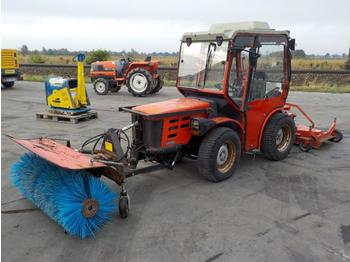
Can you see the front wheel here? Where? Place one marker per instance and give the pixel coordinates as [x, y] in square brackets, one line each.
[124, 206]
[8, 84]
[101, 86]
[115, 88]
[278, 137]
[338, 136]
[219, 154]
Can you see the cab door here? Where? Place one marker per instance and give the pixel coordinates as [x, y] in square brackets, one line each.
[268, 86]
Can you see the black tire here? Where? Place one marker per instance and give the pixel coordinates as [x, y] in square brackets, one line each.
[124, 207]
[158, 86]
[213, 143]
[305, 148]
[8, 84]
[139, 82]
[338, 136]
[271, 147]
[101, 86]
[115, 88]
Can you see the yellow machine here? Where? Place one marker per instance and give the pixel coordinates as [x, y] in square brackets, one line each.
[9, 67]
[68, 95]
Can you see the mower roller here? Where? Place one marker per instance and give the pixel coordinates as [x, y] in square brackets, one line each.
[234, 80]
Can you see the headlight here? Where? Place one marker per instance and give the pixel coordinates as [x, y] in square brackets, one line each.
[195, 124]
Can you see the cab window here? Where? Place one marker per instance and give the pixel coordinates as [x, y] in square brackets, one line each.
[269, 74]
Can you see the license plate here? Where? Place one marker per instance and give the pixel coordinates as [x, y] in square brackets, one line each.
[9, 72]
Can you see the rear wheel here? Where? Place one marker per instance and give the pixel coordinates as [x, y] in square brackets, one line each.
[101, 86]
[219, 154]
[8, 84]
[158, 86]
[139, 82]
[279, 137]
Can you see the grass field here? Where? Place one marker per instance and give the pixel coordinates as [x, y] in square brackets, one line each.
[171, 61]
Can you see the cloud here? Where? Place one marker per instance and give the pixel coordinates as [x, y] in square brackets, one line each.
[157, 25]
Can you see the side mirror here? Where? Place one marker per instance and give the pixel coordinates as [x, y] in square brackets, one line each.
[188, 41]
[291, 44]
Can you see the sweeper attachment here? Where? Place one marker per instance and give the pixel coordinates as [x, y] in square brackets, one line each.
[235, 82]
[77, 201]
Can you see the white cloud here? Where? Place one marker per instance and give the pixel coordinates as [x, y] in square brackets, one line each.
[157, 25]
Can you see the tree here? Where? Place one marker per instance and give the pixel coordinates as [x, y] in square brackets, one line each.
[24, 50]
[97, 55]
[299, 53]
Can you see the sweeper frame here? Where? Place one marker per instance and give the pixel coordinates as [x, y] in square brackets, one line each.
[235, 82]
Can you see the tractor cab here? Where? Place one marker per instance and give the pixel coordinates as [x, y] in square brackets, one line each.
[242, 62]
[243, 67]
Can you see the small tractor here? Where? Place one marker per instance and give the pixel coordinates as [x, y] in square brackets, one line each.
[234, 80]
[141, 77]
[9, 67]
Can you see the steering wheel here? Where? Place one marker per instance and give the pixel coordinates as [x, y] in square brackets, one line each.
[273, 93]
[218, 86]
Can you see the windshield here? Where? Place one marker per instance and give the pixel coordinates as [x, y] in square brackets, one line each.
[202, 65]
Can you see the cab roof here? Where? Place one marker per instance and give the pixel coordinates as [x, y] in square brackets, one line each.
[229, 30]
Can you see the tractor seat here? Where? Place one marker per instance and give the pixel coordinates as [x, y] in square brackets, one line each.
[122, 65]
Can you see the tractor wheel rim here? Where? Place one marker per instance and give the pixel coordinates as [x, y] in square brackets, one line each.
[100, 87]
[139, 82]
[90, 207]
[226, 156]
[283, 138]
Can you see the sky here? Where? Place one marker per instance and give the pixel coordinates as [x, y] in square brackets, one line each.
[319, 27]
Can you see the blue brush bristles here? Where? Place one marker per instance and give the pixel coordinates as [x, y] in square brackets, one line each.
[60, 193]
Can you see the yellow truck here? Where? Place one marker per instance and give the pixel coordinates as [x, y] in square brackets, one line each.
[9, 67]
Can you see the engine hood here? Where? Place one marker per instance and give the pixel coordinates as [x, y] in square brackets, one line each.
[173, 106]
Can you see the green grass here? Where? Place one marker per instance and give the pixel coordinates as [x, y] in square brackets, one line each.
[171, 61]
[323, 88]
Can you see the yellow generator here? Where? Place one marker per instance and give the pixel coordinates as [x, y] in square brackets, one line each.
[68, 95]
[9, 67]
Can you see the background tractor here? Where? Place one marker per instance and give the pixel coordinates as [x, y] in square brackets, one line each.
[141, 77]
[234, 80]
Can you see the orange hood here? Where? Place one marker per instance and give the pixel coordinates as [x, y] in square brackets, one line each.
[172, 106]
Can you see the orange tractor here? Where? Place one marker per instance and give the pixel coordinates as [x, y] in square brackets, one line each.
[141, 77]
[234, 80]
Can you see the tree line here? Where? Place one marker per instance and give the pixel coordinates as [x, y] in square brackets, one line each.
[24, 50]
